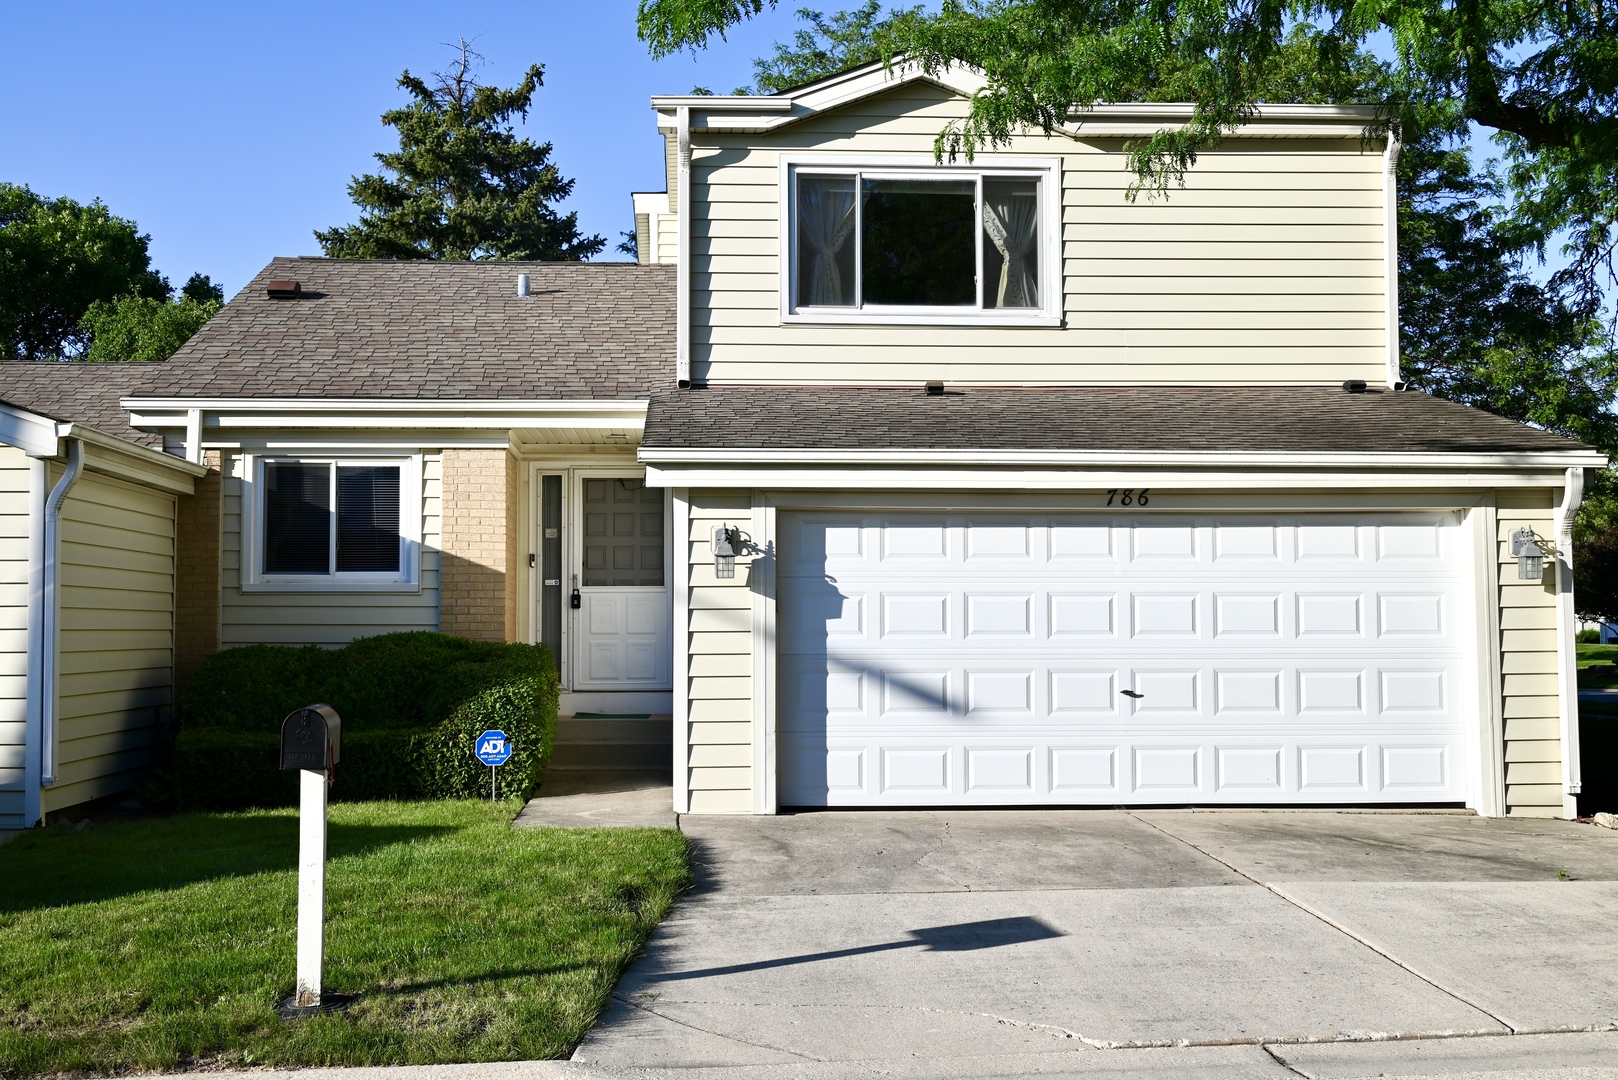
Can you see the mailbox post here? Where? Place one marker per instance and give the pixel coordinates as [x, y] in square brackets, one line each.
[311, 743]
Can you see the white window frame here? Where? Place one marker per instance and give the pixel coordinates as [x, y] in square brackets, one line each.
[1047, 170]
[408, 577]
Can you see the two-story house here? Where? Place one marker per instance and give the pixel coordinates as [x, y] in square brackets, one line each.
[1047, 495]
[893, 482]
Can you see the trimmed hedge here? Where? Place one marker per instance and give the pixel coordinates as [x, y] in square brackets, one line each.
[411, 704]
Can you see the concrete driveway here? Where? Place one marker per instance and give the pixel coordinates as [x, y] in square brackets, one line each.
[1149, 943]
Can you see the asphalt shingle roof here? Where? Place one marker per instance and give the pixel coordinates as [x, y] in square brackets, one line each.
[79, 393]
[427, 330]
[1278, 419]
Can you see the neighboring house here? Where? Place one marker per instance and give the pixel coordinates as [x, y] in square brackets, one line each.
[898, 483]
[90, 511]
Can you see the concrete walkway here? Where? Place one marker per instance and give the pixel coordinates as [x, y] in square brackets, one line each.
[593, 799]
[1158, 943]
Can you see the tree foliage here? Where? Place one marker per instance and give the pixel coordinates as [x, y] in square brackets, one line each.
[202, 289]
[143, 328]
[57, 258]
[463, 184]
[828, 45]
[1542, 78]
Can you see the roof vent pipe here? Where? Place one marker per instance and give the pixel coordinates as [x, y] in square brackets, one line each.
[522, 284]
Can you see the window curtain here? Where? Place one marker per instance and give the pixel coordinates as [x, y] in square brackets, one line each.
[1011, 220]
[825, 220]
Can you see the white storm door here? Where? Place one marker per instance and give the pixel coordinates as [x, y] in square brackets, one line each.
[1002, 658]
[622, 624]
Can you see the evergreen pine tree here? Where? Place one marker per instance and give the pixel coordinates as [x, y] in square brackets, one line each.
[463, 184]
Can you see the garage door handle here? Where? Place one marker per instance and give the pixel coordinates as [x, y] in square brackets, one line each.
[1131, 694]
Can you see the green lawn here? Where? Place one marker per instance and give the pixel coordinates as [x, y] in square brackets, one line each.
[1600, 657]
[165, 943]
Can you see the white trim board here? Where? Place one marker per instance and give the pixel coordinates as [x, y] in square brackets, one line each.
[810, 478]
[1554, 459]
[732, 114]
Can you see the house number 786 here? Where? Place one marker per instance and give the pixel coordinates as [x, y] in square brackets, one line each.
[1128, 497]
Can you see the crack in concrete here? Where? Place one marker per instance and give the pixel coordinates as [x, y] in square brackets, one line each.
[1283, 1062]
[943, 838]
[1333, 923]
[1009, 1021]
[1265, 1042]
[707, 1031]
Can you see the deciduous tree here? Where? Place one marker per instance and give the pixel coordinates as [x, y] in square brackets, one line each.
[57, 258]
[143, 328]
[1540, 78]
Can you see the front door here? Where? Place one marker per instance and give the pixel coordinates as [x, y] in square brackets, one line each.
[621, 622]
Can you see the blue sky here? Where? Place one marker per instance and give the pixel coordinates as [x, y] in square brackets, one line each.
[228, 131]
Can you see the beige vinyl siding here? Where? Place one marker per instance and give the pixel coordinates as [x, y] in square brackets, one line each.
[1529, 683]
[1267, 267]
[643, 239]
[14, 469]
[671, 169]
[668, 239]
[116, 658]
[316, 617]
[719, 682]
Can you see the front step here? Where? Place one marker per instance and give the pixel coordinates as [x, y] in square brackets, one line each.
[613, 743]
[656, 729]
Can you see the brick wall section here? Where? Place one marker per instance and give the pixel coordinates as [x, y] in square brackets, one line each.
[514, 546]
[477, 595]
[196, 573]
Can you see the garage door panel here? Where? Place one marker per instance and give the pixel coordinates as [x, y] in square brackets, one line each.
[1249, 770]
[1164, 542]
[1250, 544]
[1247, 615]
[931, 659]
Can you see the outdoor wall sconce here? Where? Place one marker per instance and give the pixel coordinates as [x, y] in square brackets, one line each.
[1530, 554]
[726, 542]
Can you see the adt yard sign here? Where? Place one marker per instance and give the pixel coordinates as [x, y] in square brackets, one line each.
[493, 749]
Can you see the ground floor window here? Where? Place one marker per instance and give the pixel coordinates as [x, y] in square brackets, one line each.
[334, 521]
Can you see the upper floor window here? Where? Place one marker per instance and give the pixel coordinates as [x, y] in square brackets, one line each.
[921, 245]
[333, 522]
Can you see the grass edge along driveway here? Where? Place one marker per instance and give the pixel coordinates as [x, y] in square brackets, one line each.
[165, 943]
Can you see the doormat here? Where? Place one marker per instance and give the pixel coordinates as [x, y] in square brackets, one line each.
[612, 716]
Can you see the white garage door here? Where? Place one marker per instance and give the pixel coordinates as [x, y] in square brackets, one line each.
[1065, 659]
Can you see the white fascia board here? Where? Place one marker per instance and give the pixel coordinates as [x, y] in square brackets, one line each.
[733, 457]
[738, 114]
[221, 413]
[33, 434]
[1183, 111]
[143, 454]
[723, 102]
[821, 478]
[650, 202]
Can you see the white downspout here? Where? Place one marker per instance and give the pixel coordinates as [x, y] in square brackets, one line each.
[1567, 656]
[33, 812]
[682, 180]
[1390, 256]
[193, 436]
[50, 631]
